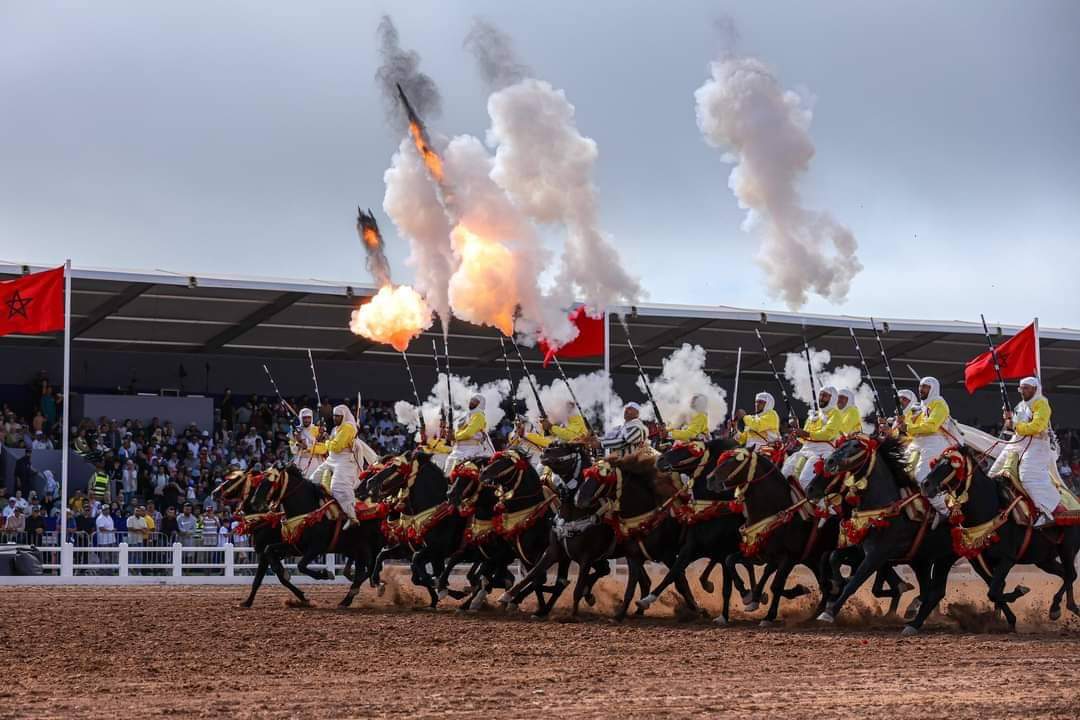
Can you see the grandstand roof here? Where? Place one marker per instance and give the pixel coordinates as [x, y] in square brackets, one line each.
[167, 311]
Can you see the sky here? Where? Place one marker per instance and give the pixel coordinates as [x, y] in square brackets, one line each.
[239, 138]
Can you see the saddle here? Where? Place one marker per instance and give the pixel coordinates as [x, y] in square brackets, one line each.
[1068, 513]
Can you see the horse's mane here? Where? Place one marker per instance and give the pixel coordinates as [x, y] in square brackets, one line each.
[642, 462]
[893, 453]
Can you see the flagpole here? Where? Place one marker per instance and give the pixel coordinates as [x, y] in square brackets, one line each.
[607, 367]
[1038, 353]
[67, 411]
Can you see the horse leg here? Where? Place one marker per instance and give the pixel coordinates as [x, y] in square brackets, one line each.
[644, 585]
[635, 568]
[871, 562]
[421, 577]
[932, 594]
[897, 587]
[442, 585]
[554, 591]
[1003, 608]
[704, 581]
[779, 580]
[513, 596]
[283, 577]
[1067, 553]
[256, 581]
[729, 571]
[683, 586]
[687, 553]
[310, 554]
[354, 586]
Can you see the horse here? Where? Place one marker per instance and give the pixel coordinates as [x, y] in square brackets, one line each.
[886, 532]
[312, 525]
[251, 490]
[428, 529]
[782, 531]
[986, 530]
[712, 519]
[577, 534]
[829, 490]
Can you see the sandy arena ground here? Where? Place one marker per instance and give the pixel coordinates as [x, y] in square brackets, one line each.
[189, 652]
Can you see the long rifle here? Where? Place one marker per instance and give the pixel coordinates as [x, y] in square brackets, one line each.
[416, 397]
[776, 376]
[735, 390]
[442, 411]
[278, 392]
[528, 377]
[449, 396]
[573, 397]
[644, 377]
[509, 376]
[870, 379]
[810, 369]
[888, 370]
[314, 379]
[997, 365]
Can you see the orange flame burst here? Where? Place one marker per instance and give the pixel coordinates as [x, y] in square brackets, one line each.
[431, 158]
[484, 287]
[370, 237]
[395, 315]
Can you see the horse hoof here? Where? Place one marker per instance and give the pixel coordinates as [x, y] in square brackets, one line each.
[478, 601]
[646, 602]
[1022, 590]
[720, 620]
[504, 599]
[909, 631]
[751, 606]
[826, 617]
[1074, 610]
[590, 599]
[768, 624]
[1055, 613]
[443, 593]
[912, 609]
[707, 586]
[294, 603]
[512, 606]
[382, 589]
[904, 587]
[244, 606]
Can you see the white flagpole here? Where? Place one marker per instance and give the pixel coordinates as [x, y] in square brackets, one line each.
[607, 367]
[1038, 353]
[65, 430]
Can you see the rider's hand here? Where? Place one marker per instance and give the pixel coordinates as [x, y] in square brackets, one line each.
[740, 414]
[546, 424]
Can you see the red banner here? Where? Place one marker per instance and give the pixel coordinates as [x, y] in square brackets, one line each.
[1016, 357]
[33, 304]
[588, 343]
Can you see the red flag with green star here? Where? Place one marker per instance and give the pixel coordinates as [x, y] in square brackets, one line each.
[33, 304]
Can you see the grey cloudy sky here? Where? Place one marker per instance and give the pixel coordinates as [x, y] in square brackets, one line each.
[238, 137]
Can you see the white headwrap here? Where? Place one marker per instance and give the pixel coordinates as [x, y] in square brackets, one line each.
[833, 395]
[913, 399]
[306, 413]
[481, 403]
[767, 398]
[699, 403]
[1023, 409]
[935, 389]
[632, 406]
[346, 414]
[850, 397]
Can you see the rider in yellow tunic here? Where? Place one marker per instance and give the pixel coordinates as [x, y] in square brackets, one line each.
[302, 443]
[1031, 424]
[761, 428]
[471, 439]
[909, 408]
[342, 462]
[573, 430]
[698, 427]
[931, 434]
[850, 417]
[817, 434]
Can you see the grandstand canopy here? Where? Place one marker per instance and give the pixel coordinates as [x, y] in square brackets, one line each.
[168, 312]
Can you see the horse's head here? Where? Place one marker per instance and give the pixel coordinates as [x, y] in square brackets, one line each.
[506, 468]
[598, 482]
[734, 468]
[683, 457]
[464, 483]
[851, 456]
[949, 473]
[234, 488]
[565, 459]
[820, 486]
[382, 481]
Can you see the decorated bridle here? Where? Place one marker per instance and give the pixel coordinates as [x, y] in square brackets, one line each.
[470, 473]
[698, 454]
[402, 468]
[516, 467]
[957, 482]
[746, 463]
[854, 476]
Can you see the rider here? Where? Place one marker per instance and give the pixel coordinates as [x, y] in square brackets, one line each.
[930, 431]
[761, 428]
[698, 427]
[471, 439]
[303, 441]
[341, 461]
[1030, 422]
[573, 430]
[909, 408]
[817, 434]
[850, 417]
[629, 437]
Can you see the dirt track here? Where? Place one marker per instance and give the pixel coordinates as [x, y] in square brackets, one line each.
[188, 651]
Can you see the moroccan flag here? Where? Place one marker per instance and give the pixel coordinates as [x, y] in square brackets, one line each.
[588, 343]
[1016, 357]
[33, 304]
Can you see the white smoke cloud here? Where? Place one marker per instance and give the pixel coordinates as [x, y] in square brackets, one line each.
[764, 130]
[462, 390]
[413, 204]
[595, 391]
[844, 376]
[681, 377]
[547, 168]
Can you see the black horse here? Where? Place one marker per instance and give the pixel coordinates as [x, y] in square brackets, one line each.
[295, 495]
[977, 501]
[825, 490]
[251, 492]
[779, 530]
[711, 531]
[577, 534]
